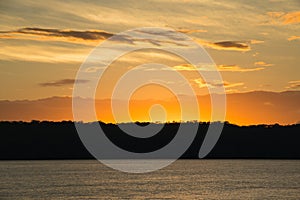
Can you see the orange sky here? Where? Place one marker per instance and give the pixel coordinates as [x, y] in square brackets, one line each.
[255, 46]
[242, 108]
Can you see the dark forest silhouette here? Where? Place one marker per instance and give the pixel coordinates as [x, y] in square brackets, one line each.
[59, 140]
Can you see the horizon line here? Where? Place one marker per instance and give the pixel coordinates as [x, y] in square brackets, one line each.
[148, 122]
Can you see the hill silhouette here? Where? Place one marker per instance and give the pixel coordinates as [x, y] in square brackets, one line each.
[59, 140]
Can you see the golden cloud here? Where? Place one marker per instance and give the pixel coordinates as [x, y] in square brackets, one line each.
[293, 84]
[256, 41]
[49, 54]
[294, 38]
[275, 14]
[292, 18]
[227, 68]
[185, 67]
[212, 84]
[236, 68]
[182, 30]
[284, 18]
[262, 63]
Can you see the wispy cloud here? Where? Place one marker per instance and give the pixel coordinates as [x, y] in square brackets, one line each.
[282, 18]
[43, 53]
[293, 38]
[184, 30]
[37, 51]
[34, 33]
[236, 68]
[256, 41]
[263, 64]
[293, 85]
[62, 82]
[92, 36]
[75, 36]
[185, 67]
[291, 18]
[212, 84]
[226, 68]
[93, 69]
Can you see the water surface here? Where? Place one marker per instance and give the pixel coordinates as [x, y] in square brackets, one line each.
[184, 179]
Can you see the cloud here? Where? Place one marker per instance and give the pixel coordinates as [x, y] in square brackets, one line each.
[212, 84]
[226, 68]
[55, 34]
[293, 38]
[293, 85]
[43, 53]
[37, 51]
[256, 41]
[92, 36]
[281, 18]
[291, 18]
[62, 82]
[183, 30]
[232, 45]
[236, 68]
[185, 67]
[275, 14]
[93, 69]
[226, 45]
[154, 37]
[75, 36]
[263, 64]
[231, 85]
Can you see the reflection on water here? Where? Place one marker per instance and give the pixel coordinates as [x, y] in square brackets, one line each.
[184, 179]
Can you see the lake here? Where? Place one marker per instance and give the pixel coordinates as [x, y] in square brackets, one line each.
[184, 179]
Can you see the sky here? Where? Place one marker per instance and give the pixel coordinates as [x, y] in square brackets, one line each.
[255, 44]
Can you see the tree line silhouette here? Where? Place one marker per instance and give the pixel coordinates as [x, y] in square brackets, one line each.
[59, 140]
